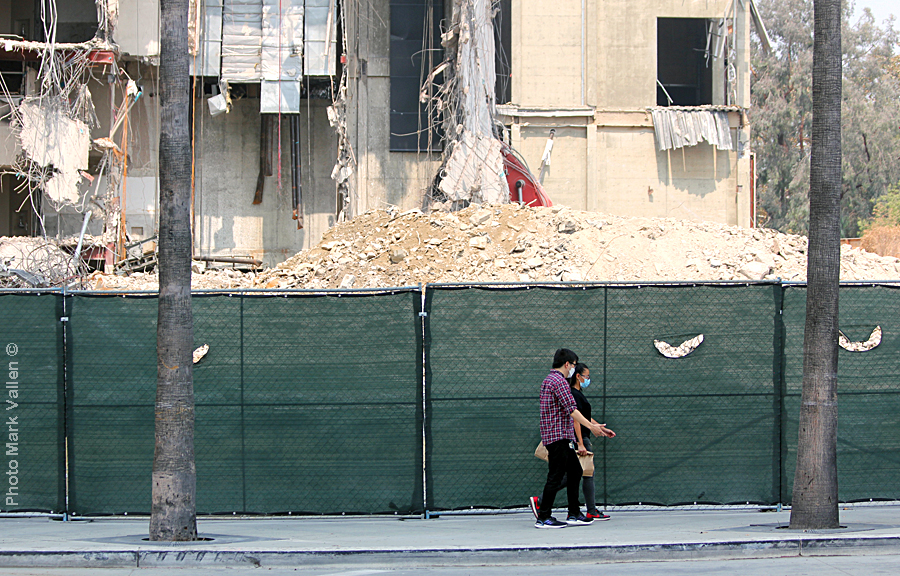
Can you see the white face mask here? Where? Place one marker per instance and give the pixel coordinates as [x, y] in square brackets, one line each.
[571, 371]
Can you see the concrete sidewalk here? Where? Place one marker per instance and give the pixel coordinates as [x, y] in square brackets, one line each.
[458, 540]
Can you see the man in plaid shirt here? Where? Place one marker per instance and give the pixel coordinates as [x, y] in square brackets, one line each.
[558, 410]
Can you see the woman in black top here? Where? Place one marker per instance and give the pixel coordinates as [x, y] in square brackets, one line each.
[579, 380]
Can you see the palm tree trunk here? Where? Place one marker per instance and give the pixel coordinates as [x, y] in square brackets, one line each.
[173, 508]
[815, 496]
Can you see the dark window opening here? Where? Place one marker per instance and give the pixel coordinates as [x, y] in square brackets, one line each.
[76, 20]
[503, 51]
[17, 215]
[684, 67]
[13, 75]
[415, 51]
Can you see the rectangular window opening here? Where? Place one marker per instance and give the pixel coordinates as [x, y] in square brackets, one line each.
[415, 51]
[684, 62]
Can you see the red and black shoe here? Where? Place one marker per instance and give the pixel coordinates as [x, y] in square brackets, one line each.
[597, 515]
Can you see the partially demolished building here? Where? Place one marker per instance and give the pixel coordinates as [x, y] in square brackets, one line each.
[306, 112]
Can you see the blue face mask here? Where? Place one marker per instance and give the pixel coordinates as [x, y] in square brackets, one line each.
[586, 383]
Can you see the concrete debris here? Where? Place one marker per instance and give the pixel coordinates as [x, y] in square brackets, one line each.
[398, 255]
[27, 262]
[480, 242]
[755, 270]
[386, 249]
[567, 227]
[473, 165]
[53, 140]
[474, 170]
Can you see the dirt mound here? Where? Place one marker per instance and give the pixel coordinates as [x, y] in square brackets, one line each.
[511, 243]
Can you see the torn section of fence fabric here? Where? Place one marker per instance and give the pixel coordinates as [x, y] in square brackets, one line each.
[679, 127]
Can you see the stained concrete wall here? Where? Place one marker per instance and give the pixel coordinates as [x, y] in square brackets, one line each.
[587, 69]
[137, 32]
[226, 221]
[595, 64]
[382, 177]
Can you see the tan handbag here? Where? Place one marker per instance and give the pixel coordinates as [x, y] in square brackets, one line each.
[587, 461]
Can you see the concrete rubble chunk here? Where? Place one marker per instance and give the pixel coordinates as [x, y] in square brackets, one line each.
[534, 262]
[479, 218]
[754, 270]
[567, 227]
[480, 242]
[398, 255]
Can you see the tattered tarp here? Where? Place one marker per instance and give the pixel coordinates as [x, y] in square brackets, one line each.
[678, 127]
[242, 30]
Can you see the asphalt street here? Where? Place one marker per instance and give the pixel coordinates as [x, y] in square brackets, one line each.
[794, 566]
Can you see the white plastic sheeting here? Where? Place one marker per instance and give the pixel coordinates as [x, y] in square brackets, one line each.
[321, 37]
[282, 40]
[208, 42]
[270, 40]
[680, 127]
[241, 40]
[279, 97]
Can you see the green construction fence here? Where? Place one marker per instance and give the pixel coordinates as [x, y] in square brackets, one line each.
[412, 400]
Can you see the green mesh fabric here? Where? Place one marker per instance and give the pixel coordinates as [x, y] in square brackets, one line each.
[303, 403]
[868, 444]
[314, 403]
[32, 468]
[691, 429]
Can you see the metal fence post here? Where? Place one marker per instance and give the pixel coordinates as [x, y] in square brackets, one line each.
[64, 403]
[779, 384]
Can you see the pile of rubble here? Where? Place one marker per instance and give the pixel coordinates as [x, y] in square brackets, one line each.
[512, 243]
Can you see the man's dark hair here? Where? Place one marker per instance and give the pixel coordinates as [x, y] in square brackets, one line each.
[562, 356]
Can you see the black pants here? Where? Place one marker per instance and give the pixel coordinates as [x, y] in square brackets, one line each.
[563, 460]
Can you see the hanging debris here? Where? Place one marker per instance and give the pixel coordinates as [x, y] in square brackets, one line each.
[680, 127]
[337, 117]
[56, 145]
[53, 119]
[473, 169]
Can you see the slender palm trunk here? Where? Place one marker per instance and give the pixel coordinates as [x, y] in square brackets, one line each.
[815, 496]
[173, 508]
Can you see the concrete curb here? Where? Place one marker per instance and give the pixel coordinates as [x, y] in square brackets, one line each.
[454, 556]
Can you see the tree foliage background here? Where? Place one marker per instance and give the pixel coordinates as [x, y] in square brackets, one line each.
[781, 92]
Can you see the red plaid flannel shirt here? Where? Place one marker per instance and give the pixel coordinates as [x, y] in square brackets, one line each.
[557, 404]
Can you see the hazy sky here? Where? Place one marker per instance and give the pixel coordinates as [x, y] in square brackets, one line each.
[881, 9]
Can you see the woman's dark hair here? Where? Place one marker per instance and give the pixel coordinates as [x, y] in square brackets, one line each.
[579, 369]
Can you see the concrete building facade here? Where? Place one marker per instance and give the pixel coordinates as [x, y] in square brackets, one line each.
[593, 71]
